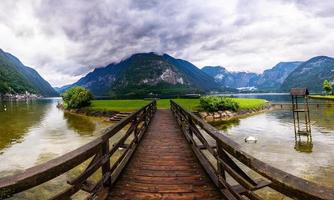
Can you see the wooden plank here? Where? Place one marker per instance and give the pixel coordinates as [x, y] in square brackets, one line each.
[203, 140]
[224, 158]
[164, 166]
[106, 166]
[283, 182]
[51, 169]
[39, 174]
[260, 183]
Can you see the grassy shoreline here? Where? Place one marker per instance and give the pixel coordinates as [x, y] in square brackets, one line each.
[189, 104]
[329, 97]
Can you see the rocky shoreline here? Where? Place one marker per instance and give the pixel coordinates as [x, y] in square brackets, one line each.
[230, 115]
[90, 112]
[206, 116]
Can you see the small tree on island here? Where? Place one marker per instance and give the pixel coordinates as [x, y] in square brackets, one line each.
[218, 103]
[76, 97]
[327, 87]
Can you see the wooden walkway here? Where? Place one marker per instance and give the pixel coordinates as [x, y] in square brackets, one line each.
[161, 155]
[164, 167]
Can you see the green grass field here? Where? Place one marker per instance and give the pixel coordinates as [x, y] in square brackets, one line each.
[329, 97]
[189, 104]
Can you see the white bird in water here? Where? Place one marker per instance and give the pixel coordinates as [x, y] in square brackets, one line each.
[250, 139]
[4, 108]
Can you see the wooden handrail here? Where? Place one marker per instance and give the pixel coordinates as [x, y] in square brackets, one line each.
[98, 149]
[225, 148]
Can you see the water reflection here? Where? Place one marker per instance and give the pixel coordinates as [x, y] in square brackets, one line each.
[17, 118]
[303, 156]
[80, 124]
[304, 146]
[34, 132]
[224, 125]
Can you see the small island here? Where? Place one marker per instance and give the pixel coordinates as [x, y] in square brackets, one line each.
[210, 108]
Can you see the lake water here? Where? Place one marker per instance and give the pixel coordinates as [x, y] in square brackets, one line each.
[277, 145]
[273, 97]
[32, 132]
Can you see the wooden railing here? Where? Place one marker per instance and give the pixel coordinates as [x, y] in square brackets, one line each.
[98, 151]
[225, 163]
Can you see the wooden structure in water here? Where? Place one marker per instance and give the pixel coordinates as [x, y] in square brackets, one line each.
[301, 111]
[164, 154]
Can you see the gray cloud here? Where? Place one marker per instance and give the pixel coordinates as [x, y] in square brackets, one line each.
[67, 39]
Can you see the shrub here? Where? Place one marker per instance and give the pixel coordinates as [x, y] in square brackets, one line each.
[76, 97]
[218, 103]
[327, 86]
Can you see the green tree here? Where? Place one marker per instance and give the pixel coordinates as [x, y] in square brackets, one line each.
[218, 103]
[327, 87]
[76, 97]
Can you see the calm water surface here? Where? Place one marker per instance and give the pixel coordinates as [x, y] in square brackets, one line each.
[277, 145]
[273, 97]
[32, 132]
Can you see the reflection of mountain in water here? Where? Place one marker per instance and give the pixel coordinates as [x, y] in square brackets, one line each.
[80, 124]
[18, 118]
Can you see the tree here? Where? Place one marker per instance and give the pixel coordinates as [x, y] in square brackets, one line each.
[76, 97]
[218, 103]
[327, 86]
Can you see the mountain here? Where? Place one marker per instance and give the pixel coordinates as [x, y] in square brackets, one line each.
[311, 74]
[231, 79]
[61, 89]
[272, 79]
[17, 78]
[147, 74]
[151, 75]
[269, 80]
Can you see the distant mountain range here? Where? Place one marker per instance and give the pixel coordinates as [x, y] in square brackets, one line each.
[280, 78]
[231, 79]
[150, 74]
[270, 80]
[311, 74]
[17, 78]
[147, 74]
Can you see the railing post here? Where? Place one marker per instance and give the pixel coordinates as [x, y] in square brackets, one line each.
[220, 167]
[106, 166]
[190, 123]
[135, 131]
[146, 114]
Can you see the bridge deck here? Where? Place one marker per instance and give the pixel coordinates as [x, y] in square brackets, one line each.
[164, 167]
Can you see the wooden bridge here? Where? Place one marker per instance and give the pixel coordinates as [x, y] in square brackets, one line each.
[164, 154]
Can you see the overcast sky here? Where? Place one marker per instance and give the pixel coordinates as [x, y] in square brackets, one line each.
[64, 40]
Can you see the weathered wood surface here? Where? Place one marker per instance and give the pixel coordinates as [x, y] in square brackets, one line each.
[179, 157]
[164, 167]
[206, 140]
[134, 126]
